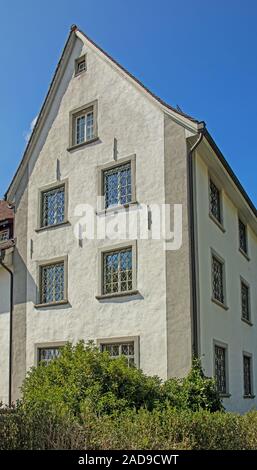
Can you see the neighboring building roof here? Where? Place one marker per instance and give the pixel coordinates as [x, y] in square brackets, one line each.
[6, 213]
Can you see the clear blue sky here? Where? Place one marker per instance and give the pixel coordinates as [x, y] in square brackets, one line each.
[201, 55]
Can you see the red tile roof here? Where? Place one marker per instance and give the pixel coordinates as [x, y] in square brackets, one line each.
[5, 211]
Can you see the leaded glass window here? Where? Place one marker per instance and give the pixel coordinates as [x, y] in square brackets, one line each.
[247, 376]
[242, 236]
[217, 280]
[220, 369]
[46, 355]
[117, 273]
[53, 206]
[4, 235]
[117, 185]
[84, 127]
[120, 349]
[215, 203]
[52, 283]
[245, 301]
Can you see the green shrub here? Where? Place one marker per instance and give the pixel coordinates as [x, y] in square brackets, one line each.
[83, 378]
[194, 392]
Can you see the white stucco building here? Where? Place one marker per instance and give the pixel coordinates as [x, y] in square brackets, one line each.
[100, 132]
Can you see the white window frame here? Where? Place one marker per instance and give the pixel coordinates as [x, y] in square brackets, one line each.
[77, 114]
[80, 60]
[4, 231]
[46, 345]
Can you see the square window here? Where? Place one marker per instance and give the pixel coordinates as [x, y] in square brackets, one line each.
[53, 206]
[80, 65]
[52, 283]
[115, 350]
[218, 279]
[46, 355]
[247, 364]
[215, 201]
[242, 236]
[220, 368]
[245, 301]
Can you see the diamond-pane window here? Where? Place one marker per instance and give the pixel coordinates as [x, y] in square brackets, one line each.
[46, 355]
[117, 271]
[117, 185]
[52, 283]
[245, 301]
[242, 236]
[53, 206]
[84, 127]
[4, 235]
[220, 369]
[121, 349]
[247, 375]
[217, 280]
[214, 199]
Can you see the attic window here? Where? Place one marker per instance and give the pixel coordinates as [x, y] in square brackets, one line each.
[80, 65]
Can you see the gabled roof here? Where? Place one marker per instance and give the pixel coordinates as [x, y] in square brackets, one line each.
[6, 213]
[184, 119]
[76, 33]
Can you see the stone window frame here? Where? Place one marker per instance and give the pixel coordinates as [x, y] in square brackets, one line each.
[216, 182]
[49, 262]
[109, 249]
[250, 356]
[223, 345]
[100, 180]
[50, 187]
[49, 344]
[5, 231]
[78, 60]
[123, 339]
[246, 283]
[223, 304]
[73, 115]
[244, 253]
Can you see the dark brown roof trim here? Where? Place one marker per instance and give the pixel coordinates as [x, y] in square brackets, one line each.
[229, 170]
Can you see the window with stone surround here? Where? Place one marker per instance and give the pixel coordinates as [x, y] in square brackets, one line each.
[47, 354]
[117, 271]
[218, 284]
[80, 65]
[245, 301]
[220, 368]
[242, 237]
[215, 201]
[52, 282]
[116, 349]
[247, 366]
[4, 235]
[83, 125]
[53, 207]
[117, 185]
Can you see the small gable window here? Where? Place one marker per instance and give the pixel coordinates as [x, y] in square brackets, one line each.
[80, 65]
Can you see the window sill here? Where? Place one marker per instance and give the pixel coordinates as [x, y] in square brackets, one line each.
[117, 294]
[113, 209]
[220, 304]
[83, 144]
[249, 396]
[49, 227]
[244, 254]
[217, 222]
[225, 395]
[248, 322]
[52, 304]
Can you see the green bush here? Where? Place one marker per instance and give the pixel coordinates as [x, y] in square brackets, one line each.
[194, 392]
[131, 429]
[83, 379]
